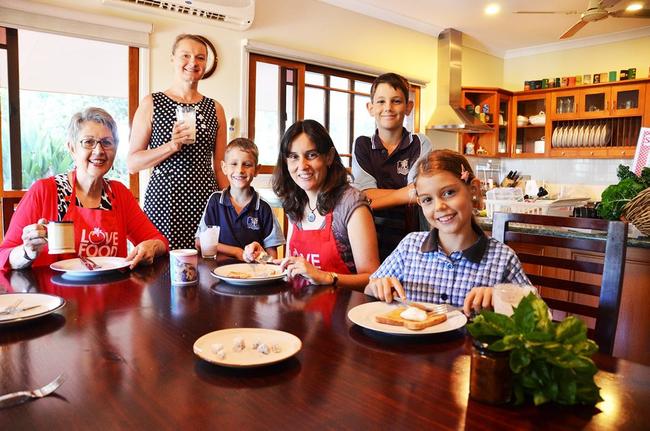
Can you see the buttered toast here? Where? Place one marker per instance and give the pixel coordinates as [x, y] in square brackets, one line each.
[393, 318]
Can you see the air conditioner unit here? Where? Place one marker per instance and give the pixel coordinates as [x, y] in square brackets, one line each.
[233, 14]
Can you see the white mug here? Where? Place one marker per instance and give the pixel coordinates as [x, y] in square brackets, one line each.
[183, 266]
[60, 237]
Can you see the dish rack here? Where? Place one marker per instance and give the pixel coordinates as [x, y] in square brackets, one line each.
[557, 207]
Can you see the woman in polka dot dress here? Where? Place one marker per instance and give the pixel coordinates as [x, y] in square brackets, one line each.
[183, 176]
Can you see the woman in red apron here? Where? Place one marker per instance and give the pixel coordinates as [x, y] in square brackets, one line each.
[104, 213]
[331, 238]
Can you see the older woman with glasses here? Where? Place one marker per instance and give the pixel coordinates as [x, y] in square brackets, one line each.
[104, 212]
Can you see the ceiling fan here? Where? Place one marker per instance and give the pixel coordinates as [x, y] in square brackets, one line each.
[596, 10]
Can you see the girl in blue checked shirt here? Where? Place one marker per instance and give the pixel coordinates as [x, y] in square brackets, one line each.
[452, 262]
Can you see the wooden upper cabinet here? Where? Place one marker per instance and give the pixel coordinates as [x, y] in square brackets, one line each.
[492, 106]
[628, 100]
[528, 139]
[600, 101]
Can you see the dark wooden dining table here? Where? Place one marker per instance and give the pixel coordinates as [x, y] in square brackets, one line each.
[125, 344]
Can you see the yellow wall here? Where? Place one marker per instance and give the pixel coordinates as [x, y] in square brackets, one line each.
[579, 61]
[481, 69]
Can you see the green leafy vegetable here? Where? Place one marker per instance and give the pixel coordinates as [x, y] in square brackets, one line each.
[616, 196]
[550, 361]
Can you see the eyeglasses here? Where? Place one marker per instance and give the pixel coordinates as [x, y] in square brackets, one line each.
[91, 143]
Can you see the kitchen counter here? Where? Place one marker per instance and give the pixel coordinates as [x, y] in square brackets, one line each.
[641, 242]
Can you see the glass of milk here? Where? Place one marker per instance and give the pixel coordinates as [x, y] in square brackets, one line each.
[187, 116]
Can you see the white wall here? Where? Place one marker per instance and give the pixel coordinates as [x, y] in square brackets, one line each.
[306, 25]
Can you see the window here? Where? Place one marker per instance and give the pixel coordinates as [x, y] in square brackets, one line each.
[282, 91]
[44, 80]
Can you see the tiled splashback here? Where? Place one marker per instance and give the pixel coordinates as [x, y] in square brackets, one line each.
[563, 177]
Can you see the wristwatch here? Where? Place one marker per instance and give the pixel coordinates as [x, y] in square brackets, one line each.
[335, 278]
[26, 256]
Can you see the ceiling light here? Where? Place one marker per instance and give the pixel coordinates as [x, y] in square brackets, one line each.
[492, 9]
[634, 7]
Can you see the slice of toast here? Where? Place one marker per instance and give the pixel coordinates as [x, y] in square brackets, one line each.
[393, 318]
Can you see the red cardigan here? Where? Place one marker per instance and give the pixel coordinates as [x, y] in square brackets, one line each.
[40, 201]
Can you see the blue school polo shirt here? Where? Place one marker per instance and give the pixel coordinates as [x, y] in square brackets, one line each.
[256, 222]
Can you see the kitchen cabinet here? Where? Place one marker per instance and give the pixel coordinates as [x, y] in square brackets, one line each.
[598, 101]
[497, 102]
[525, 135]
[593, 121]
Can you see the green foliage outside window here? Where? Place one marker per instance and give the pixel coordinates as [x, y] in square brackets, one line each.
[44, 121]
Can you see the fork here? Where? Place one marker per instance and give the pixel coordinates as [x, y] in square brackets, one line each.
[13, 308]
[88, 263]
[435, 308]
[264, 258]
[22, 396]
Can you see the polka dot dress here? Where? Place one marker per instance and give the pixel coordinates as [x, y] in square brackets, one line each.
[181, 185]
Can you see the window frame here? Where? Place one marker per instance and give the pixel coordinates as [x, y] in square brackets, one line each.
[13, 90]
[302, 68]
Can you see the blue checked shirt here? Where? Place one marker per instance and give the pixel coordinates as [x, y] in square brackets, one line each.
[429, 275]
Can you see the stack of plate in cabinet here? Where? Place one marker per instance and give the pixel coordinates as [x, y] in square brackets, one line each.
[589, 135]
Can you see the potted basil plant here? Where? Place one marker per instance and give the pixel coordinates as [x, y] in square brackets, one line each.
[549, 361]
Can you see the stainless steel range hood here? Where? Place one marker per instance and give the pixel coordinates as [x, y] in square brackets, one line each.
[449, 115]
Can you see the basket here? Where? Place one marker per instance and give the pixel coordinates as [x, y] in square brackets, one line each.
[558, 207]
[637, 211]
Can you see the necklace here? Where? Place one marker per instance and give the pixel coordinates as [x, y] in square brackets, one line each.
[311, 217]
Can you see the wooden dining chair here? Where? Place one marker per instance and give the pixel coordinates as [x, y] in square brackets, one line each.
[575, 274]
[8, 208]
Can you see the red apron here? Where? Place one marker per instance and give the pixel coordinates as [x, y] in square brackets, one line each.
[97, 232]
[318, 247]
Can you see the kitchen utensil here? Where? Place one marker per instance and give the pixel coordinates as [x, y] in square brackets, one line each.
[88, 263]
[22, 396]
[264, 258]
[538, 120]
[15, 310]
[435, 308]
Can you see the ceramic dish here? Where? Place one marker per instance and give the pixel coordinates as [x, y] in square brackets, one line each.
[206, 347]
[74, 268]
[248, 273]
[364, 316]
[560, 137]
[43, 305]
[556, 132]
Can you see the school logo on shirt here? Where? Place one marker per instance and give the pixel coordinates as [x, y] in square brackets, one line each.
[252, 223]
[403, 167]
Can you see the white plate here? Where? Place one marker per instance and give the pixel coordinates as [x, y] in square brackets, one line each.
[74, 268]
[46, 304]
[560, 137]
[258, 273]
[554, 137]
[249, 357]
[364, 315]
[580, 136]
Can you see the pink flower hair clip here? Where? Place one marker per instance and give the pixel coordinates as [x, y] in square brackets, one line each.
[464, 174]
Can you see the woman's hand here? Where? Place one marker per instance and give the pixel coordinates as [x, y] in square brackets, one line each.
[251, 251]
[180, 136]
[477, 299]
[298, 265]
[144, 252]
[385, 288]
[34, 238]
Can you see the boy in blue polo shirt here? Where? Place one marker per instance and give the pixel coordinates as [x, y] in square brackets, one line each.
[243, 216]
[383, 166]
